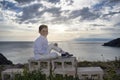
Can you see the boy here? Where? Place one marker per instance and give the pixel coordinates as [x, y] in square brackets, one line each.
[42, 49]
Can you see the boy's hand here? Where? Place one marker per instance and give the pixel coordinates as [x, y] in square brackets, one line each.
[55, 44]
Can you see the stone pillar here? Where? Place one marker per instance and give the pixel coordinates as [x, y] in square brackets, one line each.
[101, 76]
[11, 73]
[63, 67]
[2, 76]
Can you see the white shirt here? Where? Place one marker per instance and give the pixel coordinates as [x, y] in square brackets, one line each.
[41, 45]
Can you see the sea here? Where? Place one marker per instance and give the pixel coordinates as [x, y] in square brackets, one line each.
[20, 52]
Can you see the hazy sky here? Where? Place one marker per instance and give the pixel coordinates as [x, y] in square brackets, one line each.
[66, 19]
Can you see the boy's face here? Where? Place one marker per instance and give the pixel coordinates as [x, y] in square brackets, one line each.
[44, 32]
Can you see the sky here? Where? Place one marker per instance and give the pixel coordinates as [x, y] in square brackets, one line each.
[68, 20]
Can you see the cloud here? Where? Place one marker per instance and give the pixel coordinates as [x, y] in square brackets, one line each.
[54, 1]
[112, 2]
[1, 17]
[11, 27]
[55, 11]
[106, 3]
[107, 8]
[37, 15]
[111, 14]
[30, 12]
[34, 13]
[92, 39]
[85, 14]
[24, 1]
[97, 25]
[6, 28]
[117, 24]
[7, 5]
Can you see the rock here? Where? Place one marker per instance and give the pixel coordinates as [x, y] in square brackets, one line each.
[4, 60]
[113, 43]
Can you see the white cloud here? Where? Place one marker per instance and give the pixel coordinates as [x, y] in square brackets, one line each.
[13, 1]
[77, 4]
[65, 13]
[115, 19]
[47, 4]
[47, 16]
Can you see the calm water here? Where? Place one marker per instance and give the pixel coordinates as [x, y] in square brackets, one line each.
[20, 52]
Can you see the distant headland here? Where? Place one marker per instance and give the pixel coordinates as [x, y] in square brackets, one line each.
[113, 43]
[4, 60]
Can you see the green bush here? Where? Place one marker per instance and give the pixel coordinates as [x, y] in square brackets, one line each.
[37, 75]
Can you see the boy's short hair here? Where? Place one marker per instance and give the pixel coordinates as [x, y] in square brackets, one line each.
[42, 26]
